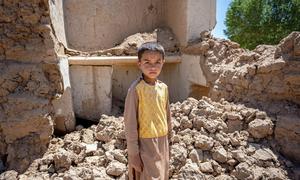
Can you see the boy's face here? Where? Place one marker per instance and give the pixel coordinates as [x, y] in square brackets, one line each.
[151, 64]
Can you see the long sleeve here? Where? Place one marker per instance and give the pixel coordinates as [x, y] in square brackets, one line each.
[169, 117]
[131, 122]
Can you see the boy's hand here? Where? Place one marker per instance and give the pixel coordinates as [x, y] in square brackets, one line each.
[136, 162]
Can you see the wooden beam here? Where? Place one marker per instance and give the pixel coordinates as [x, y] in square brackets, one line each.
[113, 60]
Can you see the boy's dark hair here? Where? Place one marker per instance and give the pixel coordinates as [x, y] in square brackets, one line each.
[151, 46]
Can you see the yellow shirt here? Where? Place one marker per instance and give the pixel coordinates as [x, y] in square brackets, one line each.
[152, 113]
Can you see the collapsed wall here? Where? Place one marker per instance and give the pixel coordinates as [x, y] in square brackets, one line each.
[267, 78]
[30, 79]
[128, 47]
[236, 74]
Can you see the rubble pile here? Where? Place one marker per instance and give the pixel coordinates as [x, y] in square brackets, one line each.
[222, 140]
[267, 78]
[210, 140]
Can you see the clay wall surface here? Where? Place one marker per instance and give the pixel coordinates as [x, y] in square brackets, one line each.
[30, 79]
[93, 25]
[26, 33]
[189, 18]
[176, 18]
[91, 91]
[57, 16]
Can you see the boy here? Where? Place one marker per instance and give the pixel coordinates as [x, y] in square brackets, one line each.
[147, 118]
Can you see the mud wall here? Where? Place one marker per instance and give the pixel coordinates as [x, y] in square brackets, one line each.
[29, 81]
[26, 31]
[190, 17]
[91, 91]
[92, 25]
[58, 21]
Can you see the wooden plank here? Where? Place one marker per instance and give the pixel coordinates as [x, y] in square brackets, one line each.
[113, 60]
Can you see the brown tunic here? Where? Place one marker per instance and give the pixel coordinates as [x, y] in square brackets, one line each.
[148, 158]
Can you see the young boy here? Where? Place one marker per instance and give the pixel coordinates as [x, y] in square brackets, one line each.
[147, 118]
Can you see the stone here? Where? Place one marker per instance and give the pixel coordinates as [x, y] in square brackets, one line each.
[217, 167]
[94, 160]
[72, 137]
[232, 162]
[211, 125]
[109, 146]
[198, 122]
[87, 136]
[190, 171]
[234, 116]
[186, 109]
[219, 154]
[206, 167]
[261, 115]
[119, 156]
[222, 138]
[186, 123]
[276, 173]
[115, 168]
[259, 128]
[223, 177]
[239, 155]
[258, 172]
[194, 112]
[264, 155]
[104, 136]
[100, 173]
[62, 160]
[204, 142]
[179, 154]
[234, 125]
[43, 167]
[196, 155]
[9, 175]
[243, 171]
[90, 148]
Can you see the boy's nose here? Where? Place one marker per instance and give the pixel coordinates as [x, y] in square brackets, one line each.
[152, 65]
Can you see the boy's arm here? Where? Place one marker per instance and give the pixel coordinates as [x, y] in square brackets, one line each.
[169, 118]
[131, 129]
